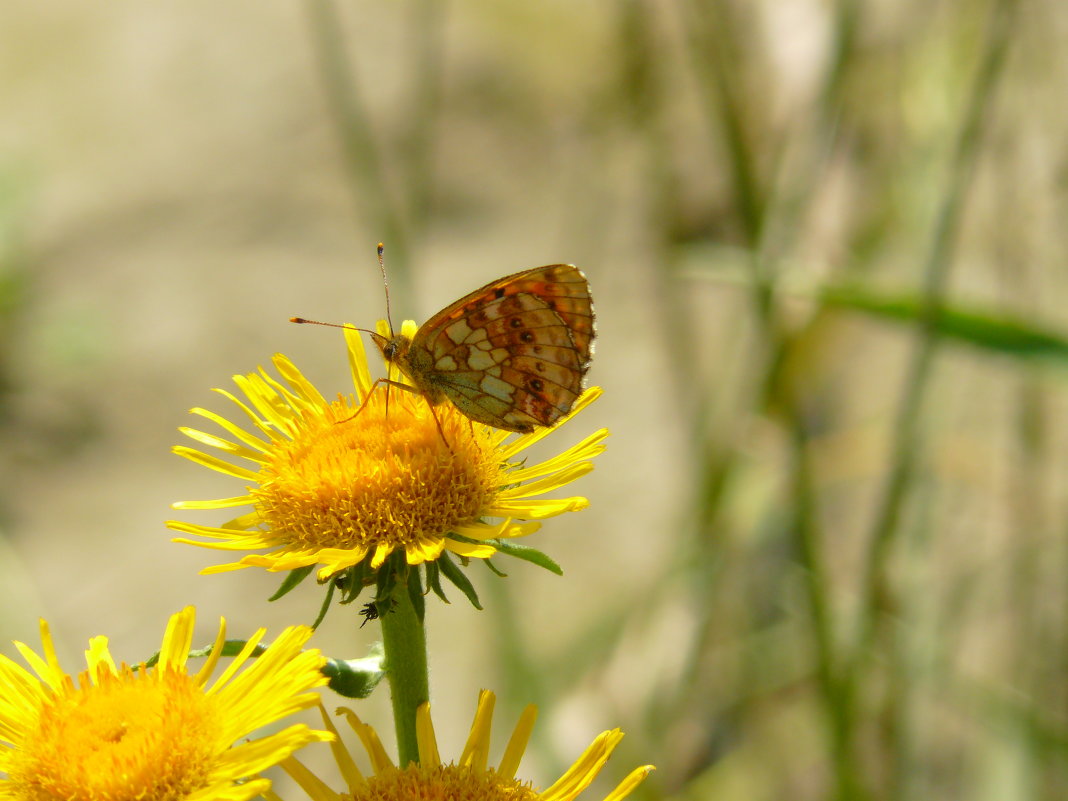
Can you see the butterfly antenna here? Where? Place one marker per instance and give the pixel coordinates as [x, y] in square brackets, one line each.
[305, 321]
[385, 284]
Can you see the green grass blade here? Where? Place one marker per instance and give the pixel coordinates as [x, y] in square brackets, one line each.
[982, 329]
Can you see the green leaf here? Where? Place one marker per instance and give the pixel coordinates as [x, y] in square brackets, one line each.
[527, 554]
[989, 331]
[356, 678]
[524, 552]
[292, 579]
[459, 578]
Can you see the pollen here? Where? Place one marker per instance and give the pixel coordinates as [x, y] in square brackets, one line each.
[443, 782]
[377, 478]
[130, 735]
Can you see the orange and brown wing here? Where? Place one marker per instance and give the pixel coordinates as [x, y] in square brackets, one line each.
[512, 354]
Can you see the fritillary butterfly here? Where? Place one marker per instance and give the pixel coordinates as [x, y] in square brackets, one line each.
[512, 354]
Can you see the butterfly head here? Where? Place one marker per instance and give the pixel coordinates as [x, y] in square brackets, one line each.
[394, 348]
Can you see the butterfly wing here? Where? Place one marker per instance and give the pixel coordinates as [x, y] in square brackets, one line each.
[512, 354]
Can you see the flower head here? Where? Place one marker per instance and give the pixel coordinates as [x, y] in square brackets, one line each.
[162, 732]
[337, 482]
[469, 777]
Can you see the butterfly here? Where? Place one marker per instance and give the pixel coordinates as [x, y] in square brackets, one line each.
[512, 355]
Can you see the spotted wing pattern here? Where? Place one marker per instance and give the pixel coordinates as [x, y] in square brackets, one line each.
[514, 353]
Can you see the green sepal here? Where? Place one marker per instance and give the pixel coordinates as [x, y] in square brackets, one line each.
[433, 580]
[353, 580]
[292, 579]
[386, 580]
[230, 648]
[415, 593]
[325, 607]
[459, 578]
[355, 678]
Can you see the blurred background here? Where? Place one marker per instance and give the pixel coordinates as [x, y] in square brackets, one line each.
[826, 551]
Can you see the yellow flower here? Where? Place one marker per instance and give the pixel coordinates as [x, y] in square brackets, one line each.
[333, 483]
[156, 733]
[469, 778]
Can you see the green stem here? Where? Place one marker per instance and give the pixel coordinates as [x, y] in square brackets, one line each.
[807, 535]
[404, 643]
[364, 159]
[907, 427]
[875, 636]
[429, 35]
[712, 37]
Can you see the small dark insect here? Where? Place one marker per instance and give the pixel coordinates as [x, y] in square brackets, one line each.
[369, 612]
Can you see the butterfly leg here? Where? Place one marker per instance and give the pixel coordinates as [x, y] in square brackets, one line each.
[367, 397]
[407, 388]
[438, 424]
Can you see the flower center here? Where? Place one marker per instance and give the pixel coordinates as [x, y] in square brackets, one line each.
[360, 477]
[442, 782]
[130, 736]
